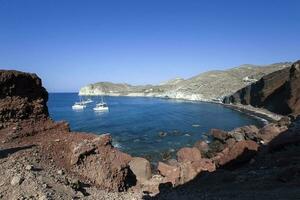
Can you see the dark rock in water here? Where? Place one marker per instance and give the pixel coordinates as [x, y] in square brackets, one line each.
[219, 135]
[21, 96]
[166, 155]
[162, 134]
[278, 92]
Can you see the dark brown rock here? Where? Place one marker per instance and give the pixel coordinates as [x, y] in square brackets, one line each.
[278, 92]
[21, 96]
[219, 134]
[102, 164]
[239, 153]
[245, 132]
[268, 132]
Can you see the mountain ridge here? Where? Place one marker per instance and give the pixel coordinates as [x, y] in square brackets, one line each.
[207, 86]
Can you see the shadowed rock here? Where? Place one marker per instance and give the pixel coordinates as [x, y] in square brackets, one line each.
[278, 92]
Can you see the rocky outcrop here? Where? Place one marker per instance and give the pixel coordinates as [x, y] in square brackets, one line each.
[24, 118]
[208, 86]
[278, 92]
[21, 96]
[187, 154]
[102, 164]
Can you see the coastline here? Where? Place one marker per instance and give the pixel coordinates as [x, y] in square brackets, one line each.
[262, 114]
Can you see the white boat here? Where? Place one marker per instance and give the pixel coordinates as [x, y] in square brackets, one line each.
[78, 106]
[102, 107]
[87, 101]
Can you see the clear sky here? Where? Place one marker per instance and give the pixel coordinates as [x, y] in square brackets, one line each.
[72, 43]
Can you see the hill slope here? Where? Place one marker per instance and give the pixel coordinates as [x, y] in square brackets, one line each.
[208, 86]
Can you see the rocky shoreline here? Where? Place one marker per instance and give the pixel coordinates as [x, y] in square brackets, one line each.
[43, 159]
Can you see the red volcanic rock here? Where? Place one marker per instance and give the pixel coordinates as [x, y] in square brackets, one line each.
[185, 171]
[102, 164]
[239, 153]
[87, 147]
[245, 132]
[286, 138]
[230, 142]
[278, 92]
[268, 132]
[141, 169]
[188, 154]
[171, 173]
[219, 134]
[204, 165]
[293, 86]
[21, 96]
[202, 146]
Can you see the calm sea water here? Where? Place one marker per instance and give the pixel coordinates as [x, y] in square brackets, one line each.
[136, 122]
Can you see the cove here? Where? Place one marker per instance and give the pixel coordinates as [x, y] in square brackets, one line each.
[148, 127]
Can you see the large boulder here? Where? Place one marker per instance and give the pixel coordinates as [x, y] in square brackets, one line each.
[219, 135]
[141, 169]
[102, 164]
[171, 173]
[188, 154]
[239, 153]
[185, 171]
[270, 131]
[21, 96]
[245, 132]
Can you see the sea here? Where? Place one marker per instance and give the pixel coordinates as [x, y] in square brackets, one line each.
[154, 128]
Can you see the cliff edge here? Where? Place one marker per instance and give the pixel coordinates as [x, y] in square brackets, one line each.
[278, 92]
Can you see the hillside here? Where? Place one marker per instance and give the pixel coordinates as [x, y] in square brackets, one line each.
[208, 86]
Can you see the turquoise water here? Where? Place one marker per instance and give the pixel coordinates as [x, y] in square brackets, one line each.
[136, 122]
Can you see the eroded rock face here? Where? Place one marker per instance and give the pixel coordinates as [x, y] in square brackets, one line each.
[24, 114]
[102, 164]
[278, 92]
[141, 169]
[21, 96]
[239, 153]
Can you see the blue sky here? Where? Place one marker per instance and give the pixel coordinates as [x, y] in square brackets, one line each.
[72, 43]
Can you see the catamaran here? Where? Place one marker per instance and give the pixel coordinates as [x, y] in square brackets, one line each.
[79, 106]
[87, 101]
[102, 107]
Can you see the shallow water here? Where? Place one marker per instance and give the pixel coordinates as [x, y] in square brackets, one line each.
[146, 126]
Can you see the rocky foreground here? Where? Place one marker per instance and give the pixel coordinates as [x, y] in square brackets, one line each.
[43, 159]
[208, 86]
